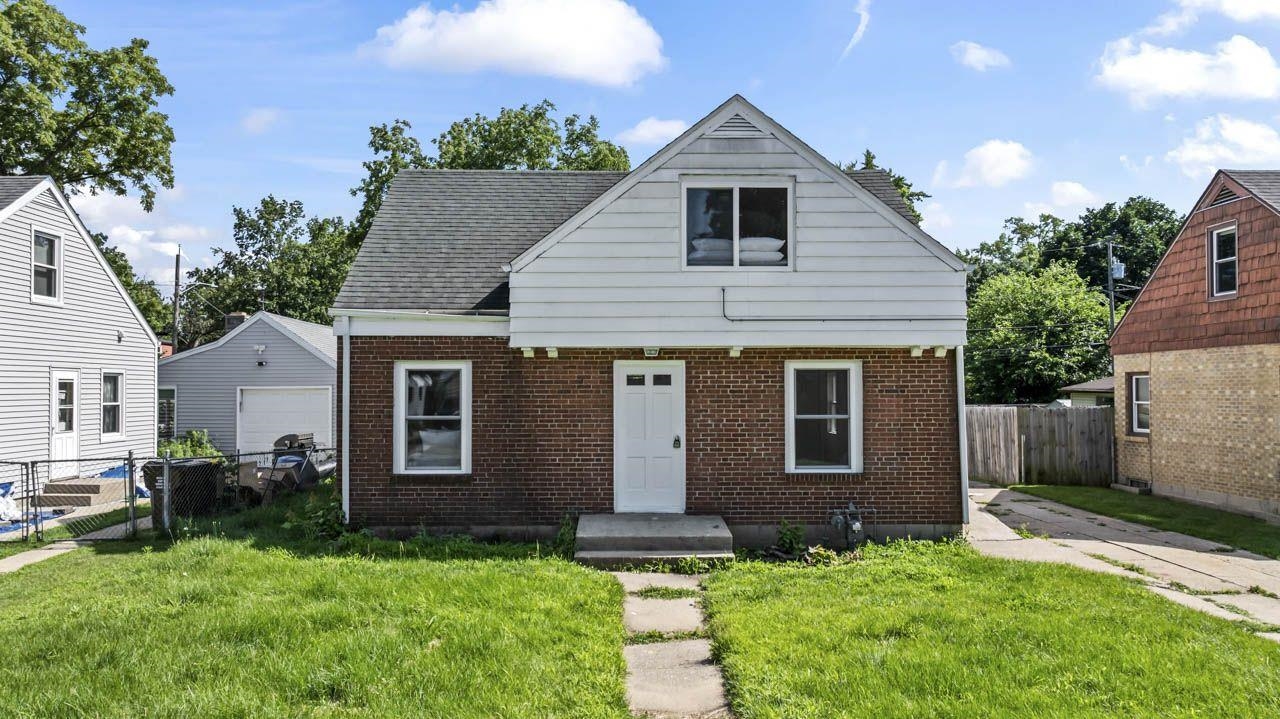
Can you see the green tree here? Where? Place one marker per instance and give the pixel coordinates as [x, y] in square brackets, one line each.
[282, 261]
[1141, 229]
[904, 187]
[1017, 249]
[523, 138]
[142, 291]
[85, 117]
[1031, 333]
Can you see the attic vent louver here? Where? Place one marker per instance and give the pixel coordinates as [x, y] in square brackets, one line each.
[1225, 195]
[736, 126]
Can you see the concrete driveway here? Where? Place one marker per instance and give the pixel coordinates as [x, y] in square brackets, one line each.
[1207, 576]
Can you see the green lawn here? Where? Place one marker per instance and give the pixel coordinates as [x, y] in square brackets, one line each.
[268, 626]
[1215, 525]
[74, 529]
[935, 630]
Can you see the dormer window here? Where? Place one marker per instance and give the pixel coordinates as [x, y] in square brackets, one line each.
[1224, 262]
[46, 270]
[744, 223]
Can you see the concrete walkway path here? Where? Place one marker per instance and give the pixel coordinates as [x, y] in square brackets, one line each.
[14, 562]
[1197, 573]
[670, 672]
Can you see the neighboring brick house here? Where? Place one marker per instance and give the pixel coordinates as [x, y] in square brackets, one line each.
[1197, 356]
[736, 327]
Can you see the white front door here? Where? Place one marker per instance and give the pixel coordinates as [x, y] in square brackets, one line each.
[648, 437]
[64, 424]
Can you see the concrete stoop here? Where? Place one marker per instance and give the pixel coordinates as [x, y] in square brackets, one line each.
[80, 492]
[611, 540]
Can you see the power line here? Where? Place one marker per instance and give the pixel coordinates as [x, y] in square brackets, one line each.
[994, 328]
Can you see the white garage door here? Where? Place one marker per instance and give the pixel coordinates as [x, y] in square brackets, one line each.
[267, 413]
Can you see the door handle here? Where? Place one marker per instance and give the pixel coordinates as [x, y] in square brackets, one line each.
[675, 443]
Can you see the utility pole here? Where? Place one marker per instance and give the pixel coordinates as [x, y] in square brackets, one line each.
[177, 290]
[1111, 286]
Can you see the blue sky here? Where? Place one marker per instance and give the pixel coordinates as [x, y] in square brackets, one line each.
[996, 108]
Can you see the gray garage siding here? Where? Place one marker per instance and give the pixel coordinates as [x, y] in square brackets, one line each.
[207, 381]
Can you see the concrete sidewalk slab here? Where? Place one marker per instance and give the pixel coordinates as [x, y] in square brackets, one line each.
[661, 615]
[25, 559]
[674, 679]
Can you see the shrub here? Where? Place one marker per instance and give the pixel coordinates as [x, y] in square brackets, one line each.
[195, 443]
[320, 518]
[790, 537]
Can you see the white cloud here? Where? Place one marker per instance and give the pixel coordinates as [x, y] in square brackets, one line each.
[603, 42]
[863, 11]
[260, 119]
[1238, 68]
[978, 57]
[1066, 193]
[1189, 11]
[148, 240]
[1133, 165]
[652, 131]
[994, 163]
[936, 217]
[1226, 141]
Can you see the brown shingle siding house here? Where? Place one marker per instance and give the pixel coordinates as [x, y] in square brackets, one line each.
[1197, 356]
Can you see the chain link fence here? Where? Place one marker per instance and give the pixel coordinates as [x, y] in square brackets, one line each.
[119, 497]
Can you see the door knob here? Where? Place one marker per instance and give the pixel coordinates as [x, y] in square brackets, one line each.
[676, 442]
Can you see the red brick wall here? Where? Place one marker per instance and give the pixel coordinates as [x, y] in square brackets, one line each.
[542, 438]
[1176, 310]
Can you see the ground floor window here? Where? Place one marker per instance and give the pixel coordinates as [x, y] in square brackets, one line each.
[112, 403]
[166, 412]
[433, 417]
[1140, 403]
[824, 416]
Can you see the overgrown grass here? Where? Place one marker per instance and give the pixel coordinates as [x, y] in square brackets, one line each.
[245, 619]
[656, 592]
[922, 630]
[1214, 525]
[75, 528]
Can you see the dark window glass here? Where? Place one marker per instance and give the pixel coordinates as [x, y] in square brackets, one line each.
[66, 406]
[46, 249]
[44, 281]
[434, 444]
[1225, 263]
[710, 226]
[635, 380]
[822, 443]
[166, 407]
[822, 392]
[433, 393]
[110, 388]
[1142, 389]
[762, 226]
[110, 418]
[1225, 280]
[662, 380]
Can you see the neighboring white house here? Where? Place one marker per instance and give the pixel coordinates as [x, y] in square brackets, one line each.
[267, 377]
[77, 359]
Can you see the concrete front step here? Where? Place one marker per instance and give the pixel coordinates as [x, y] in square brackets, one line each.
[670, 533]
[611, 559]
[84, 486]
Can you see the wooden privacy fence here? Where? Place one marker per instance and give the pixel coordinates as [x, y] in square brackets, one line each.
[1040, 445]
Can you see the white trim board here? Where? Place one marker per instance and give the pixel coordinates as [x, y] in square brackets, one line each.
[408, 323]
[736, 105]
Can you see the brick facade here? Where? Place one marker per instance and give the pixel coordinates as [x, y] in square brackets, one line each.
[542, 438]
[1214, 434]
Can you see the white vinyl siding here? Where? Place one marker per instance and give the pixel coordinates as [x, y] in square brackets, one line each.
[91, 330]
[618, 280]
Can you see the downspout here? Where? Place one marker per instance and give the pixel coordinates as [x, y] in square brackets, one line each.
[964, 436]
[345, 449]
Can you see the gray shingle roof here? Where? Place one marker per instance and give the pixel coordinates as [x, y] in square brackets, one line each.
[1102, 384]
[1263, 183]
[13, 187]
[319, 336]
[879, 183]
[441, 237]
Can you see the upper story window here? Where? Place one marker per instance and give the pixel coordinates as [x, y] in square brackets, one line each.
[744, 223]
[46, 266]
[1223, 253]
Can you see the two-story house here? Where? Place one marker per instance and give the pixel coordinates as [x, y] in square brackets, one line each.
[1197, 356]
[736, 327]
[77, 359]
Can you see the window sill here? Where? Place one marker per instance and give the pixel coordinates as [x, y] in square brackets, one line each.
[830, 475]
[1138, 438]
[1225, 297]
[402, 478]
[105, 438]
[42, 300]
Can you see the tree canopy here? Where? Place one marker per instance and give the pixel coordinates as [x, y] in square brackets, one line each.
[85, 117]
[1032, 333]
[523, 138]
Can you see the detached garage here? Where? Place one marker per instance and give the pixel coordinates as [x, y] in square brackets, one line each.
[267, 376]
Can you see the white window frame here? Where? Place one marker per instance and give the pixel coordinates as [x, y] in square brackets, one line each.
[160, 389]
[1215, 260]
[102, 404]
[58, 267]
[854, 367]
[399, 436]
[735, 183]
[1134, 402]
